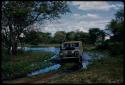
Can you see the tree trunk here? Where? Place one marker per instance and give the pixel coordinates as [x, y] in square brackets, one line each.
[9, 50]
[13, 42]
[14, 48]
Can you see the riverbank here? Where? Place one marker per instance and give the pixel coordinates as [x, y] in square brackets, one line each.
[108, 69]
[23, 63]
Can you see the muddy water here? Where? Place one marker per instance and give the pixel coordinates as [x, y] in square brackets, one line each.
[87, 58]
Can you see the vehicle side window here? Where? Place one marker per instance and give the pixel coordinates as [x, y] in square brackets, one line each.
[66, 45]
[70, 45]
[76, 44]
[73, 45]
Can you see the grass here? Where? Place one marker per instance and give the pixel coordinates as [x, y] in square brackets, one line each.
[107, 70]
[88, 47]
[23, 63]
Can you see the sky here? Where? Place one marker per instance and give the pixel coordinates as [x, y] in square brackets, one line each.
[84, 15]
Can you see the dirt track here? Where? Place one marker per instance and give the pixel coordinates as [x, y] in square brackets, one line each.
[40, 79]
[43, 78]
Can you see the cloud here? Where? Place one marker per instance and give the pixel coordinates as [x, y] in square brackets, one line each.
[92, 15]
[77, 21]
[86, 17]
[83, 20]
[73, 25]
[76, 15]
[94, 5]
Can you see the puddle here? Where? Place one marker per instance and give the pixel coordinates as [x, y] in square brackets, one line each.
[46, 70]
[87, 58]
[40, 49]
[85, 64]
[90, 57]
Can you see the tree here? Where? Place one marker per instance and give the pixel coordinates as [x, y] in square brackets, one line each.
[96, 35]
[17, 16]
[116, 26]
[82, 36]
[45, 37]
[32, 37]
[70, 35]
[59, 36]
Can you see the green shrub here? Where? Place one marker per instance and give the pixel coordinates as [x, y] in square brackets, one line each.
[21, 64]
[102, 46]
[115, 48]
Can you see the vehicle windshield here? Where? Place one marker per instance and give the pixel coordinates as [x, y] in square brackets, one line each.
[70, 45]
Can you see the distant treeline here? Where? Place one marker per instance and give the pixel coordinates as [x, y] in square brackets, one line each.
[94, 35]
[19, 17]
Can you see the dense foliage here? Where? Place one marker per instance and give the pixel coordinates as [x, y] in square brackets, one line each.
[19, 16]
[115, 45]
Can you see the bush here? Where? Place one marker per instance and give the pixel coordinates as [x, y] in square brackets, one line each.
[115, 48]
[102, 46]
[21, 64]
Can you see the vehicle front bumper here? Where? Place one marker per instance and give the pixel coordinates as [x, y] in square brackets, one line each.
[69, 59]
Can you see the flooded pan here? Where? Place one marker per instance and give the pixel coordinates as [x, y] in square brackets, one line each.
[40, 49]
[46, 70]
[87, 58]
[90, 57]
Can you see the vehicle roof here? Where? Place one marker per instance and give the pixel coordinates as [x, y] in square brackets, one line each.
[73, 42]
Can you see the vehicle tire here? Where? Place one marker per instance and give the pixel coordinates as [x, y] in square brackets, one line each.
[80, 64]
[80, 58]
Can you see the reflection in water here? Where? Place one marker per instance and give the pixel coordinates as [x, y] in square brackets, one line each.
[47, 49]
[40, 49]
[87, 58]
[84, 64]
[48, 69]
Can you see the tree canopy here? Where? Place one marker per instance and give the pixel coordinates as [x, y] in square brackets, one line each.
[96, 35]
[17, 16]
[116, 26]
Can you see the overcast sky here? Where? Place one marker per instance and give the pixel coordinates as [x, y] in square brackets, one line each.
[85, 15]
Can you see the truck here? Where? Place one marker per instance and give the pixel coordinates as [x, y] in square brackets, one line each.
[71, 51]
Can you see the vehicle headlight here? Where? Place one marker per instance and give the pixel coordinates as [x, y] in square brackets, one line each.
[72, 51]
[76, 53]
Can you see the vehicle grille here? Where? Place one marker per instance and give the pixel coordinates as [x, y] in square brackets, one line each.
[69, 54]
